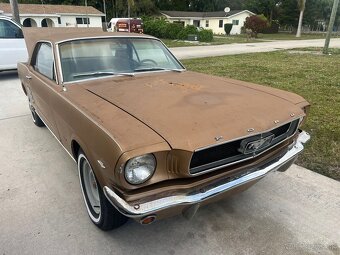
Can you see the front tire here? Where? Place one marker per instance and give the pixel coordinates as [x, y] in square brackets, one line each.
[99, 209]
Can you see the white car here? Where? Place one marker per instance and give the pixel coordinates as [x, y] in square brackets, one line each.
[12, 44]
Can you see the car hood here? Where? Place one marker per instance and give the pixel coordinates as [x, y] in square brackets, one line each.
[192, 110]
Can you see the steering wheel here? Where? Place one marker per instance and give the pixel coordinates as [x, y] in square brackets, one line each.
[145, 61]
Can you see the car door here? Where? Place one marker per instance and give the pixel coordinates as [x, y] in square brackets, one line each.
[42, 83]
[12, 45]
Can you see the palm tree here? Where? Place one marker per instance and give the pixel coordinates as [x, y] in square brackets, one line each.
[301, 5]
[130, 3]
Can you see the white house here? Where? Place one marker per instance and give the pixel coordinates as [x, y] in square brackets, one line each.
[210, 20]
[37, 15]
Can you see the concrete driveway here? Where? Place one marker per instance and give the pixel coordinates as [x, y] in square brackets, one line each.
[42, 211]
[240, 48]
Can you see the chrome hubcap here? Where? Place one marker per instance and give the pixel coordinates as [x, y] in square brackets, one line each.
[91, 187]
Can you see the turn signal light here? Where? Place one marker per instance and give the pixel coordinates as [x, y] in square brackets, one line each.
[148, 220]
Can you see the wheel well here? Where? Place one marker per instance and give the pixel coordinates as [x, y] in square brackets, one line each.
[75, 149]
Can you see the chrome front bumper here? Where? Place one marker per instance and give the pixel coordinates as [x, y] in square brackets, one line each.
[139, 210]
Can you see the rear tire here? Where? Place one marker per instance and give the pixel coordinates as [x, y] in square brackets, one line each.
[100, 210]
[35, 117]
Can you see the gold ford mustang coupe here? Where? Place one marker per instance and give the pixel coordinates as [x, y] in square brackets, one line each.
[150, 138]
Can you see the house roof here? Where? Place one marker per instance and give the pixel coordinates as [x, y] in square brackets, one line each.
[219, 14]
[51, 9]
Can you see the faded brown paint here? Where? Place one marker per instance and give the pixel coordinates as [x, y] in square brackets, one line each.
[198, 108]
[169, 114]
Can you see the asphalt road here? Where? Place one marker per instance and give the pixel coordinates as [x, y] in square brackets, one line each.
[240, 48]
[42, 211]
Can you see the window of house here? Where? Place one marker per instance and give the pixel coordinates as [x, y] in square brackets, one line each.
[43, 61]
[81, 21]
[235, 22]
[220, 23]
[59, 20]
[9, 31]
[207, 23]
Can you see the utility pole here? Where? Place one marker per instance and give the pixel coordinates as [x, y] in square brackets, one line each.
[104, 5]
[15, 10]
[330, 26]
[87, 16]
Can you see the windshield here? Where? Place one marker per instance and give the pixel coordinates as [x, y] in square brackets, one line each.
[90, 58]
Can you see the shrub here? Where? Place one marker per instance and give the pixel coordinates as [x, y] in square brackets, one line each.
[156, 27]
[205, 35]
[272, 28]
[188, 30]
[161, 28]
[256, 23]
[172, 30]
[227, 28]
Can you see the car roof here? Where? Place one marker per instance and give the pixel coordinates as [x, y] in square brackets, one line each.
[62, 34]
[5, 17]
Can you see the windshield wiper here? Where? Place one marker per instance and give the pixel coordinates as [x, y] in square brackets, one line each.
[158, 69]
[99, 73]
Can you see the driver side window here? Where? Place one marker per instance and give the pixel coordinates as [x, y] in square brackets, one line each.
[43, 62]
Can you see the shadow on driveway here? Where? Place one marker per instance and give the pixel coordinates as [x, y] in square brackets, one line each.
[8, 75]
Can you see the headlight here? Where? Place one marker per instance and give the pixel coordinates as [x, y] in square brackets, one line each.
[140, 169]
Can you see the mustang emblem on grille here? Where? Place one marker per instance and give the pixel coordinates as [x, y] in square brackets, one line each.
[253, 144]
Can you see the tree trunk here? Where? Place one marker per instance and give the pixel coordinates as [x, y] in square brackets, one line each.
[298, 33]
[330, 26]
[271, 16]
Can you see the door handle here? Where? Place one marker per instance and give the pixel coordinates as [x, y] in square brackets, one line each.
[28, 77]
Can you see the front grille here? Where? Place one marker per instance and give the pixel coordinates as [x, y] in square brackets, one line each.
[233, 152]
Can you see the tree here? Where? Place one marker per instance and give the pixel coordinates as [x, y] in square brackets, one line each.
[256, 23]
[130, 3]
[266, 7]
[330, 26]
[227, 28]
[301, 5]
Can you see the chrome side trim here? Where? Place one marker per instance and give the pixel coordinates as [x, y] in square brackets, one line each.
[59, 65]
[55, 136]
[137, 210]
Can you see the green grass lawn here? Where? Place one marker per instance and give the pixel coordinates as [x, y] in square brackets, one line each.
[218, 40]
[243, 39]
[310, 74]
[289, 36]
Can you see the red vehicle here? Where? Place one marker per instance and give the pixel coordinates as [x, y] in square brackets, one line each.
[131, 25]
